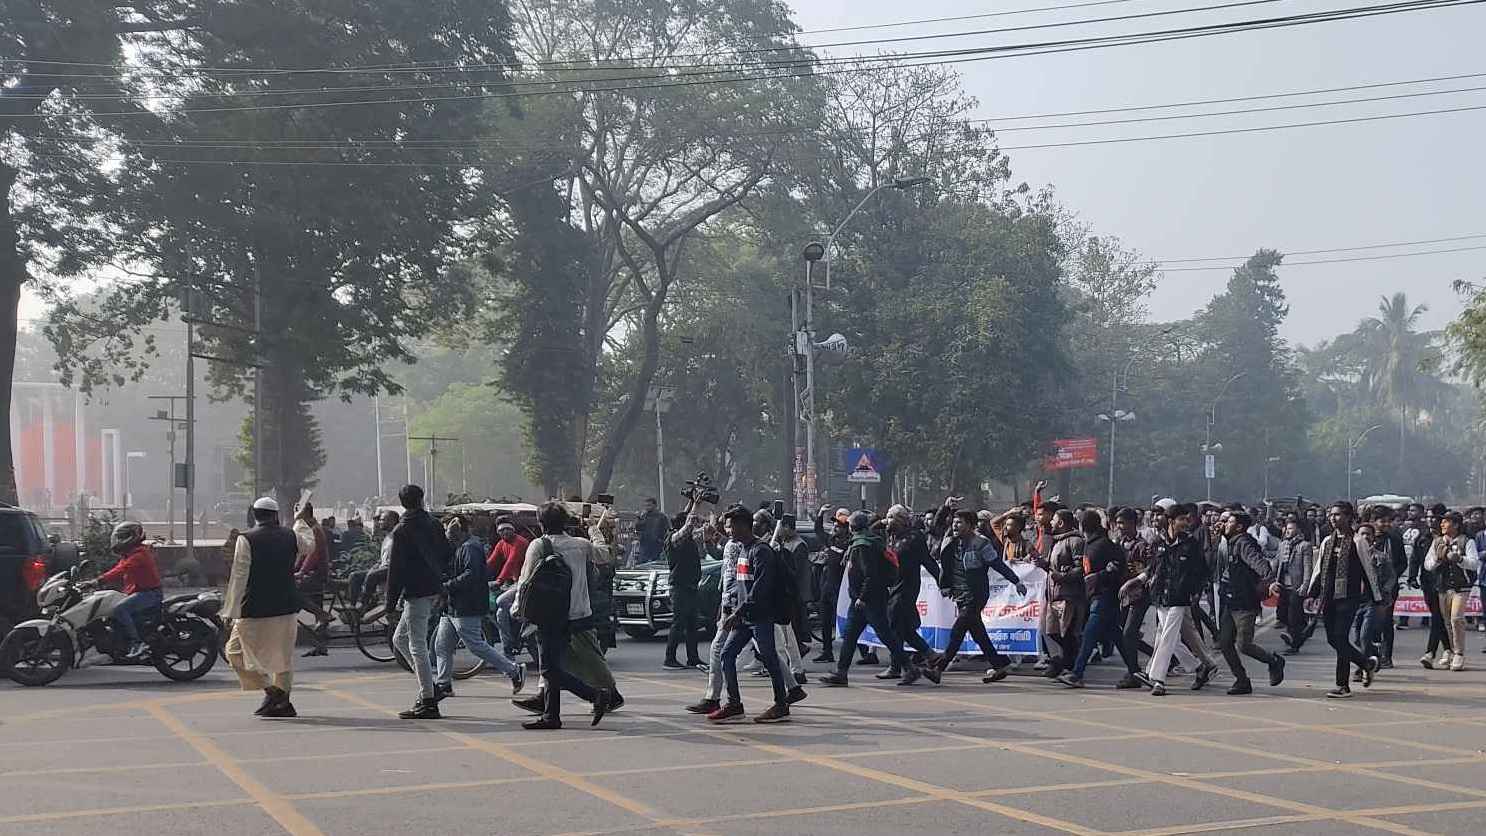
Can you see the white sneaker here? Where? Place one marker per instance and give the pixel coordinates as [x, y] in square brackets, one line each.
[1446, 659]
[1458, 664]
[1427, 661]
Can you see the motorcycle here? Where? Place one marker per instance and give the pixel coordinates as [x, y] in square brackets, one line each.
[181, 635]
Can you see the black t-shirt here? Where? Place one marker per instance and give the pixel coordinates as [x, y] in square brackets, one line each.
[686, 562]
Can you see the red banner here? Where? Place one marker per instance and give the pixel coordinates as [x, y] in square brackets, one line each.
[1069, 453]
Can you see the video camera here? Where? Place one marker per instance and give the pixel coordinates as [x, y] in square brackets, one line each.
[701, 489]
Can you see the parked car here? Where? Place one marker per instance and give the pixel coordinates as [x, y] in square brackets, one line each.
[642, 597]
[29, 554]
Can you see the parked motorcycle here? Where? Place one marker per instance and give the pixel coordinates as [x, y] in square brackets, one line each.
[181, 638]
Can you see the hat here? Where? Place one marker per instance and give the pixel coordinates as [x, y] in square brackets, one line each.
[1166, 504]
[505, 526]
[266, 503]
[983, 514]
[843, 516]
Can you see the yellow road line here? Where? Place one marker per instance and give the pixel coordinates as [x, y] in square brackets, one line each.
[30, 818]
[1121, 769]
[887, 778]
[272, 803]
[542, 768]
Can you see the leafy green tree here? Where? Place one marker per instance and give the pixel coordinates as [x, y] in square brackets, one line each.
[334, 226]
[53, 150]
[655, 164]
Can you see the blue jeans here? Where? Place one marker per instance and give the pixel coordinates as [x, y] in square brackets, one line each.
[1104, 614]
[768, 656]
[411, 639]
[504, 623]
[141, 601]
[471, 629]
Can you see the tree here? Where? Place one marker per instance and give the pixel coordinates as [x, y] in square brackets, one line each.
[1260, 415]
[53, 183]
[335, 226]
[655, 163]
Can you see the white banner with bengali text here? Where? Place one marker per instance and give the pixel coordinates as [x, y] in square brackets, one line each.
[1012, 621]
[1411, 603]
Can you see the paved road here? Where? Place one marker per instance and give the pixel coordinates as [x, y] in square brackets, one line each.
[120, 750]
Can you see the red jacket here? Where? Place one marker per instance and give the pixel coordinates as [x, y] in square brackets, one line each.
[136, 570]
[505, 559]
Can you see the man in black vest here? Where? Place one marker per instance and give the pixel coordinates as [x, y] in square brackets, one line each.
[262, 600]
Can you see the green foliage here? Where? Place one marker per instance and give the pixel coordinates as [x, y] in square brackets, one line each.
[488, 455]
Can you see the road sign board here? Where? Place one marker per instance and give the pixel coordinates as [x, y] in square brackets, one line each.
[1210, 466]
[864, 466]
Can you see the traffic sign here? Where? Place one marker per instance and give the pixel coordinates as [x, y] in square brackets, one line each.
[865, 466]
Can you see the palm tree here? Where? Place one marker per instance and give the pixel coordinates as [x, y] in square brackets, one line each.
[1399, 362]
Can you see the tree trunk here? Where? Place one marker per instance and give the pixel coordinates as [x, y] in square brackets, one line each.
[634, 407]
[12, 278]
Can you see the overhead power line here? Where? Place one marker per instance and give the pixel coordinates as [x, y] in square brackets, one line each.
[1332, 260]
[666, 61]
[348, 143]
[478, 144]
[1336, 249]
[942, 57]
[1044, 145]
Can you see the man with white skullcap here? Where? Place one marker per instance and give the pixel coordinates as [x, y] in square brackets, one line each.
[262, 599]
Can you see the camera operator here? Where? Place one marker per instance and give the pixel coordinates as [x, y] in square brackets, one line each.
[684, 558]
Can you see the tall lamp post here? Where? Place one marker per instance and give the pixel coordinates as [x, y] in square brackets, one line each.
[804, 337]
[1114, 404]
[1209, 449]
[1114, 420]
[1352, 454]
[1267, 462]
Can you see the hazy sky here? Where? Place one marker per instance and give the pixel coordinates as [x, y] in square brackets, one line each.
[1304, 189]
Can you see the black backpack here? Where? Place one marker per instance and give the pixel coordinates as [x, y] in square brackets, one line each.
[787, 599]
[546, 596]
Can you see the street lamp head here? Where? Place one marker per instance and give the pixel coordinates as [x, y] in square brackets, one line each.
[1102, 417]
[815, 251]
[901, 183]
[1273, 459]
[1122, 415]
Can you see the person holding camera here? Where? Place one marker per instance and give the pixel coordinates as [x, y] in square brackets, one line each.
[684, 557]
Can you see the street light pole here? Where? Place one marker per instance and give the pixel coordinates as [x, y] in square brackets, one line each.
[805, 335]
[1212, 418]
[1352, 453]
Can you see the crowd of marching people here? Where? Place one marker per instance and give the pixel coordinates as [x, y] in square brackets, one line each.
[1166, 590]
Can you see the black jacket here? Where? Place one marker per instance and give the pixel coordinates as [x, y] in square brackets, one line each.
[1178, 571]
[1241, 572]
[684, 558]
[469, 594]
[913, 554]
[1106, 562]
[868, 572]
[420, 558]
[759, 590]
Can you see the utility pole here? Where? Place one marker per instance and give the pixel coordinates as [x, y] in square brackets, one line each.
[659, 399]
[172, 425]
[433, 458]
[805, 403]
[377, 421]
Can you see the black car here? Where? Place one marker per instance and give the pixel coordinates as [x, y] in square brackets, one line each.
[28, 556]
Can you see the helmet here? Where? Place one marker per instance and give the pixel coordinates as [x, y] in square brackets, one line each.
[126, 535]
[860, 521]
